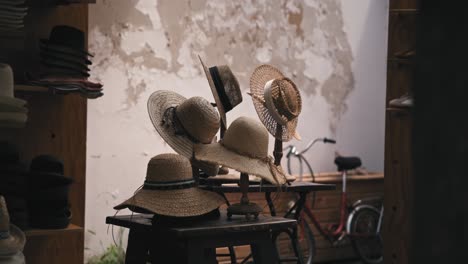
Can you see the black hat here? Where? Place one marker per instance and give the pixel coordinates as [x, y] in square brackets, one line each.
[47, 171]
[67, 39]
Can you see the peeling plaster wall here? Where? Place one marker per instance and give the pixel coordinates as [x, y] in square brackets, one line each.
[334, 50]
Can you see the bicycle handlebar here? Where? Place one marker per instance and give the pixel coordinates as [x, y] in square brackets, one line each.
[329, 140]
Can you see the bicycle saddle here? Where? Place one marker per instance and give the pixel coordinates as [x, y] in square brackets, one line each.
[347, 163]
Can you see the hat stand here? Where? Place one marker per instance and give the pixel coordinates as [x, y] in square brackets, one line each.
[278, 150]
[245, 207]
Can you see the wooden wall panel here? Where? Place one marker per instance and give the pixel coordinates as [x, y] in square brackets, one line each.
[404, 4]
[398, 186]
[401, 32]
[55, 249]
[399, 78]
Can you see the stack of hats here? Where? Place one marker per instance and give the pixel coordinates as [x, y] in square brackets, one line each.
[12, 13]
[13, 112]
[65, 63]
[12, 239]
[13, 184]
[48, 193]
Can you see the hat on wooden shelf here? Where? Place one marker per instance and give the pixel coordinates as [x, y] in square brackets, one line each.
[245, 149]
[12, 13]
[184, 122]
[225, 88]
[13, 112]
[12, 239]
[276, 100]
[68, 40]
[169, 189]
[47, 171]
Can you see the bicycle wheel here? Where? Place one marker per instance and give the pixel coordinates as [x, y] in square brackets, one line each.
[363, 229]
[297, 247]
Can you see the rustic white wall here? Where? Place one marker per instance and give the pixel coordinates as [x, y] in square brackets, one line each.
[335, 50]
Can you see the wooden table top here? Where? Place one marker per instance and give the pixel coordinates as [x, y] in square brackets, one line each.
[294, 187]
[218, 226]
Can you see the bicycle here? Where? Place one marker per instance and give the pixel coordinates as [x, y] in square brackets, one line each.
[361, 222]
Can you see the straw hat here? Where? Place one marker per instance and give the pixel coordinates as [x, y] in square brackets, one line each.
[12, 239]
[169, 190]
[225, 88]
[245, 149]
[277, 101]
[183, 122]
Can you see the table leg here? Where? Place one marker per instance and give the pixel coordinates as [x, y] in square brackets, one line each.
[271, 206]
[264, 251]
[137, 248]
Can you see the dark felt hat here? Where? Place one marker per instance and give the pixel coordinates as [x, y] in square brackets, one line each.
[51, 220]
[47, 171]
[225, 88]
[54, 54]
[67, 39]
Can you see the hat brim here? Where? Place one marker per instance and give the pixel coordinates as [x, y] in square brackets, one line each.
[49, 179]
[158, 102]
[59, 55]
[13, 120]
[214, 91]
[176, 203]
[58, 47]
[261, 75]
[14, 243]
[12, 102]
[219, 154]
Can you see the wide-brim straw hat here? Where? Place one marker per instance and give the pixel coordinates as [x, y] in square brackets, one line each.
[198, 119]
[224, 87]
[170, 190]
[245, 149]
[276, 100]
[12, 239]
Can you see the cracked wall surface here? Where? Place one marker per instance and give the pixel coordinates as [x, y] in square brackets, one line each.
[333, 50]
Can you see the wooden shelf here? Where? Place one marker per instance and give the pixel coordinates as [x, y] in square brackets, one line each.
[49, 232]
[404, 11]
[399, 109]
[30, 89]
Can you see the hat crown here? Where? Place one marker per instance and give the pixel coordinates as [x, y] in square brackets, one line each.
[231, 85]
[199, 119]
[286, 98]
[47, 164]
[4, 216]
[169, 167]
[6, 81]
[67, 36]
[248, 137]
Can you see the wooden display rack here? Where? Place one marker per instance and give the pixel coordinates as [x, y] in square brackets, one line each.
[399, 177]
[56, 125]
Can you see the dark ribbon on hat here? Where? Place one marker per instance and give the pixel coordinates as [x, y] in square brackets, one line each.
[4, 234]
[170, 119]
[220, 88]
[169, 185]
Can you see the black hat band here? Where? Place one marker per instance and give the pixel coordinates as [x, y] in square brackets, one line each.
[220, 88]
